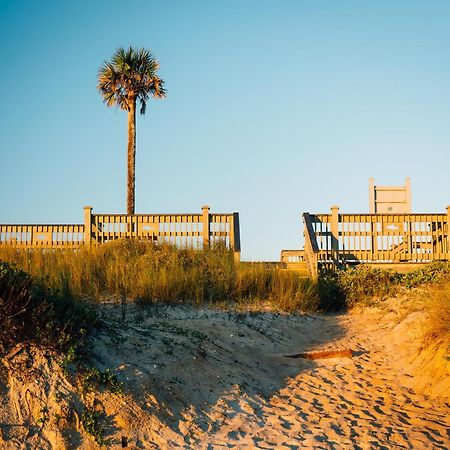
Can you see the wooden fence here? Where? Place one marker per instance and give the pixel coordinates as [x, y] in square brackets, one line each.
[292, 256]
[336, 240]
[42, 236]
[195, 231]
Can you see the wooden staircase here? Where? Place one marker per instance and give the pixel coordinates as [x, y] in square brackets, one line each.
[294, 260]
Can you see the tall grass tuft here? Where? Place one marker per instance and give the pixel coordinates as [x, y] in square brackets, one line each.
[140, 270]
[285, 289]
[438, 308]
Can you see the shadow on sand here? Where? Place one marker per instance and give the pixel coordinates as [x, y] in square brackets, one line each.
[190, 367]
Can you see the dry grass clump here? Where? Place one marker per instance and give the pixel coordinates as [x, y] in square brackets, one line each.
[146, 272]
[30, 313]
[285, 289]
[437, 306]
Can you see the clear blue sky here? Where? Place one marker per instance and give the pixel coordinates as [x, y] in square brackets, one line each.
[273, 108]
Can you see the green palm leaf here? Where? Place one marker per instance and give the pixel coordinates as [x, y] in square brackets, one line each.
[130, 75]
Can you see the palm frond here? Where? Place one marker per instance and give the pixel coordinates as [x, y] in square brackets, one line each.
[130, 75]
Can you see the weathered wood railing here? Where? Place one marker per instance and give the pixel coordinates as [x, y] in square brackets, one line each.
[311, 248]
[308, 257]
[195, 231]
[293, 260]
[42, 236]
[336, 240]
[292, 256]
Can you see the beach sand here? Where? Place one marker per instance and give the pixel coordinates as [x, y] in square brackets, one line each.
[203, 378]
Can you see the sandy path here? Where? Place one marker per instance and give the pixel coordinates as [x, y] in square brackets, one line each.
[358, 403]
[205, 379]
[238, 391]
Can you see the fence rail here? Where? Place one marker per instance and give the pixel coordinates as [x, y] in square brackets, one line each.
[335, 240]
[42, 236]
[292, 256]
[194, 230]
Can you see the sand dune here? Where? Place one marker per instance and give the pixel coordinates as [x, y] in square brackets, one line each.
[213, 379]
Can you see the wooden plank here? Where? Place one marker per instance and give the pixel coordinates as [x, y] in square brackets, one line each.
[322, 354]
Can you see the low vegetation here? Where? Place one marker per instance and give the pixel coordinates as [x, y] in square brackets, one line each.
[91, 424]
[368, 286]
[438, 307]
[30, 312]
[52, 285]
[49, 298]
[428, 285]
[148, 273]
[91, 379]
[34, 315]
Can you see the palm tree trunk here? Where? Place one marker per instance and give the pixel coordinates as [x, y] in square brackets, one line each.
[131, 157]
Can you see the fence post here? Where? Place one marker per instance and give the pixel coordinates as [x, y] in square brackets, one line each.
[206, 225]
[311, 247]
[235, 237]
[371, 196]
[335, 235]
[87, 225]
[448, 233]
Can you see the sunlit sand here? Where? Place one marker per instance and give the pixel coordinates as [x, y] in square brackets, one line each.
[218, 379]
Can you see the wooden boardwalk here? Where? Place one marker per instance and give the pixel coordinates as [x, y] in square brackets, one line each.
[398, 240]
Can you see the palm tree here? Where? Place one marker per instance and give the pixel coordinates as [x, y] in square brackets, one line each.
[130, 76]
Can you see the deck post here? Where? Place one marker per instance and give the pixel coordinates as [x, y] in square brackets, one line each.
[235, 237]
[371, 195]
[448, 233]
[206, 225]
[87, 225]
[335, 235]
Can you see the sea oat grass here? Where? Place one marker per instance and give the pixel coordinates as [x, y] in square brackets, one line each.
[146, 273]
[286, 290]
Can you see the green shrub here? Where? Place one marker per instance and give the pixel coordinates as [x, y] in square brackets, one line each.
[331, 295]
[429, 273]
[364, 285]
[91, 424]
[91, 378]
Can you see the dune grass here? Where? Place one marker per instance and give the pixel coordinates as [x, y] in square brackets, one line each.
[145, 272]
[437, 305]
[52, 289]
[284, 289]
